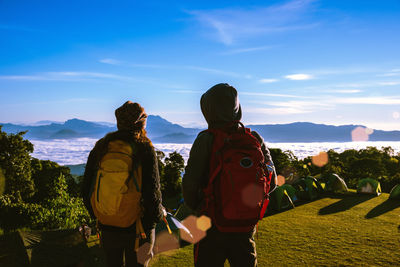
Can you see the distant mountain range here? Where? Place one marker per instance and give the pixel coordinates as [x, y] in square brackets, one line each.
[163, 131]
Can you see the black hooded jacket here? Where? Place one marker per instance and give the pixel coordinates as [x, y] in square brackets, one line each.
[220, 106]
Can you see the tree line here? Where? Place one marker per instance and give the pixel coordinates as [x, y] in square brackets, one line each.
[41, 194]
[351, 165]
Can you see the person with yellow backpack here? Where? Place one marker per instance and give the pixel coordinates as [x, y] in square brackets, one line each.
[121, 188]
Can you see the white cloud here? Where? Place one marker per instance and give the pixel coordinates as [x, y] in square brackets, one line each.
[229, 24]
[299, 77]
[273, 95]
[393, 72]
[266, 80]
[76, 151]
[61, 101]
[77, 76]
[23, 77]
[62, 76]
[187, 91]
[372, 100]
[110, 61]
[278, 111]
[343, 70]
[367, 84]
[349, 91]
[389, 83]
[292, 107]
[246, 50]
[64, 152]
[314, 104]
[187, 67]
[86, 74]
[352, 88]
[304, 105]
[216, 71]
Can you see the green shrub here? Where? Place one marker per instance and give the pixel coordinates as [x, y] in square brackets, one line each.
[52, 214]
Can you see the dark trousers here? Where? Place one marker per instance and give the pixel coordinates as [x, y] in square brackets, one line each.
[216, 247]
[120, 245]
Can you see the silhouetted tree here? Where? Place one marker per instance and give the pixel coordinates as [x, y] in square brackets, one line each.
[15, 161]
[171, 180]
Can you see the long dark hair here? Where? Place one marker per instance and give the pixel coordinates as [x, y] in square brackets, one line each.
[140, 136]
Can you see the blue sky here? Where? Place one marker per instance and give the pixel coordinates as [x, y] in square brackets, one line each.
[332, 62]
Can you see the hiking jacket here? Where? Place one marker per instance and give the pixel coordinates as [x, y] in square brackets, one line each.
[220, 106]
[151, 194]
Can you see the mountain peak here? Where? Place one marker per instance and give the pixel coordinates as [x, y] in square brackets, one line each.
[74, 120]
[161, 130]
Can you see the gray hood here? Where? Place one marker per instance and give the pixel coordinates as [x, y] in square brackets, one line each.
[220, 105]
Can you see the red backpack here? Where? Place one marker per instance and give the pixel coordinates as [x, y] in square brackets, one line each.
[236, 196]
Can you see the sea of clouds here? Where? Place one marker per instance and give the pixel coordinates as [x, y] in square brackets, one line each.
[76, 151]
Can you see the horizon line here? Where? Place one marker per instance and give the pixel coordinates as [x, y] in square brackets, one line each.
[38, 123]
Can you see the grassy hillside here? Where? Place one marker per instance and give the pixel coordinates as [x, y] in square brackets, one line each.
[339, 230]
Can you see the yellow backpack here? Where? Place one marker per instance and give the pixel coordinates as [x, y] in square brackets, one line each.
[116, 197]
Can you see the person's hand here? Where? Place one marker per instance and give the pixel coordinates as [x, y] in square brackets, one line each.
[164, 212]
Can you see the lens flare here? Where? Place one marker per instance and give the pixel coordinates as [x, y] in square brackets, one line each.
[369, 131]
[165, 241]
[196, 234]
[203, 223]
[359, 134]
[321, 159]
[396, 115]
[252, 194]
[144, 254]
[281, 180]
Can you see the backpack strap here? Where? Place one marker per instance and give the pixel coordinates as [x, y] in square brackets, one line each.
[140, 234]
[215, 166]
[134, 168]
[265, 202]
[218, 144]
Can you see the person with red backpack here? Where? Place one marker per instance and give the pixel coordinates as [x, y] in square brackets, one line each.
[121, 189]
[228, 177]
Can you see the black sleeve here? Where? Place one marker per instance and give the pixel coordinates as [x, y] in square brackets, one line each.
[268, 160]
[151, 192]
[196, 171]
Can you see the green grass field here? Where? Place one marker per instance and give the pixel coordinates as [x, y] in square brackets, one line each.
[341, 230]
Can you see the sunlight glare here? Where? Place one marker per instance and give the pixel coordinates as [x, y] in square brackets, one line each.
[359, 134]
[321, 159]
[281, 180]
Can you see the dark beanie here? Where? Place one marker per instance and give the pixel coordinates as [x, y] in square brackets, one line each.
[130, 116]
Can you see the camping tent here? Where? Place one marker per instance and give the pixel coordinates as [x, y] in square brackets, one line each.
[335, 184]
[44, 248]
[308, 188]
[291, 192]
[283, 197]
[369, 186]
[395, 192]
